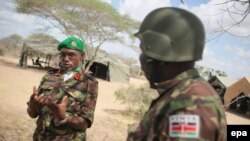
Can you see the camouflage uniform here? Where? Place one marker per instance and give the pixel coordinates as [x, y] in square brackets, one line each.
[187, 95]
[81, 90]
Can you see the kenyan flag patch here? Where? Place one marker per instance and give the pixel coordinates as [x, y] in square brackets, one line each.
[184, 126]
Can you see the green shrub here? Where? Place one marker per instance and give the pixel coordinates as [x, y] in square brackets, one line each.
[137, 100]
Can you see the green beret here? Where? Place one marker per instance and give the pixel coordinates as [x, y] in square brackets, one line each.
[72, 43]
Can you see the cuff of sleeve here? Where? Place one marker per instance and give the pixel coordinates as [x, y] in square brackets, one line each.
[58, 122]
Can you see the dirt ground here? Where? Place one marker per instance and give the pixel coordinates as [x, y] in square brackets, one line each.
[109, 123]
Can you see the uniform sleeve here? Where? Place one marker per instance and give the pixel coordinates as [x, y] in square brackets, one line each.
[198, 122]
[196, 114]
[89, 103]
[192, 114]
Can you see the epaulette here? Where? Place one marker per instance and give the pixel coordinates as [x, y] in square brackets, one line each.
[52, 71]
[89, 76]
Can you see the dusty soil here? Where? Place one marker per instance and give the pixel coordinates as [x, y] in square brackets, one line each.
[16, 84]
[16, 87]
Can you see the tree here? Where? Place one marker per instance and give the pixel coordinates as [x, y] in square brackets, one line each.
[12, 41]
[15, 39]
[41, 38]
[238, 11]
[92, 20]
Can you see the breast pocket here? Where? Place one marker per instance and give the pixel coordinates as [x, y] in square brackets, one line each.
[76, 99]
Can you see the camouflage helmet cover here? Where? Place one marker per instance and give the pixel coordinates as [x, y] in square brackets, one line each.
[172, 35]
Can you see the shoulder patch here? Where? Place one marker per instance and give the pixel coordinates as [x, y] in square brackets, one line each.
[184, 126]
[90, 77]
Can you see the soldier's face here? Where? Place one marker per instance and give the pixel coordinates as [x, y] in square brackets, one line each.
[143, 61]
[145, 65]
[70, 59]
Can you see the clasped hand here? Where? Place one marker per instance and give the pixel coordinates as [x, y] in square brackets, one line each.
[57, 109]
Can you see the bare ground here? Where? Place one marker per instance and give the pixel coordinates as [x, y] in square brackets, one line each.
[16, 84]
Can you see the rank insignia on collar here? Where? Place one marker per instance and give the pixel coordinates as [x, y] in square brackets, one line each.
[184, 126]
[78, 76]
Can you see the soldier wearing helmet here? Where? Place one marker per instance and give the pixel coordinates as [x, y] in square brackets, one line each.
[187, 108]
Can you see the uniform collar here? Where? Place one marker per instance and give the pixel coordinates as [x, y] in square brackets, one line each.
[78, 72]
[79, 69]
[167, 85]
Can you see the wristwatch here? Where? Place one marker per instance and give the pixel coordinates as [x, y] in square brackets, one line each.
[58, 122]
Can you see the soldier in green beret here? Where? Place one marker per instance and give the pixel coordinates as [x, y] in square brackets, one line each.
[187, 108]
[65, 101]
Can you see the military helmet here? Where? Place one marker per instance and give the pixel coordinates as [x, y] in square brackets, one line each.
[172, 35]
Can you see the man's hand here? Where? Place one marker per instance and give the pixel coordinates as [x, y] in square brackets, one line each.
[58, 110]
[36, 101]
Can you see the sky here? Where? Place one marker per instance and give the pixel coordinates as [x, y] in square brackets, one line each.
[228, 52]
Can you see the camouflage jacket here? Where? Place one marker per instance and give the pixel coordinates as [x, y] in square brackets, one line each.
[82, 90]
[187, 109]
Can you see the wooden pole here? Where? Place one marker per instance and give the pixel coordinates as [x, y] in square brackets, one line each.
[23, 56]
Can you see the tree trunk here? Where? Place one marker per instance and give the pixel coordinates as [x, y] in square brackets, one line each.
[91, 61]
[23, 57]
